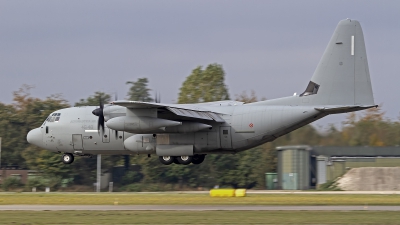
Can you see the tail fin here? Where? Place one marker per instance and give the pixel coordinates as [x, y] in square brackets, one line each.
[342, 75]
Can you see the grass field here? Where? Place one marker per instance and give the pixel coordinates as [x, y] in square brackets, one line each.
[193, 199]
[213, 217]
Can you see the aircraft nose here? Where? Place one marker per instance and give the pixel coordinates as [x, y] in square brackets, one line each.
[35, 137]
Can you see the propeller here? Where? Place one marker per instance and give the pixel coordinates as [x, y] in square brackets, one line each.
[99, 112]
[116, 99]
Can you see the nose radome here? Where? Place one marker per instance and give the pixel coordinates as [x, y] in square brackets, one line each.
[35, 137]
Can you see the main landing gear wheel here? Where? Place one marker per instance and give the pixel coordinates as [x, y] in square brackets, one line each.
[166, 160]
[198, 159]
[184, 159]
[67, 158]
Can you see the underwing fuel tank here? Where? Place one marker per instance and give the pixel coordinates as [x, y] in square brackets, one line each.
[139, 124]
[141, 143]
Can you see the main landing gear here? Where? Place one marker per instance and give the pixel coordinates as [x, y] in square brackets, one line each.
[184, 160]
[67, 158]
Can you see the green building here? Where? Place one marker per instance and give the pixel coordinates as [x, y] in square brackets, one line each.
[295, 166]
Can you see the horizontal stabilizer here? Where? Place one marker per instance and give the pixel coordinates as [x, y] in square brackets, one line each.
[344, 109]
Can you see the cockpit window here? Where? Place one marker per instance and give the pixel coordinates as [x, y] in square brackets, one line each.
[55, 117]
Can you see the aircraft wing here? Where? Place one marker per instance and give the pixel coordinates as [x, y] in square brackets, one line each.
[184, 110]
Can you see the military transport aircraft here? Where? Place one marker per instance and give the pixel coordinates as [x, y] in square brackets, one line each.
[186, 133]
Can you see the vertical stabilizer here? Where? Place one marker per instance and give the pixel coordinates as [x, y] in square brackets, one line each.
[342, 76]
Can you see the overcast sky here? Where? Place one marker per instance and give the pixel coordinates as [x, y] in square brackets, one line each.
[272, 47]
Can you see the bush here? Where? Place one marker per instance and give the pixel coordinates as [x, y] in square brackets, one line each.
[330, 185]
[131, 177]
[37, 182]
[11, 183]
[53, 182]
[131, 188]
[137, 187]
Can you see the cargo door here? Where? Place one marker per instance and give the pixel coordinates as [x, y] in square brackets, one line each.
[77, 141]
[225, 136]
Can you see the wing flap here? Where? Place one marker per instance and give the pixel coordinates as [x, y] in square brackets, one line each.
[196, 114]
[190, 111]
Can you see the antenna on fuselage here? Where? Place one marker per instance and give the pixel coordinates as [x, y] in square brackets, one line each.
[157, 98]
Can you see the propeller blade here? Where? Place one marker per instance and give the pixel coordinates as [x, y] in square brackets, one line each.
[99, 112]
[100, 124]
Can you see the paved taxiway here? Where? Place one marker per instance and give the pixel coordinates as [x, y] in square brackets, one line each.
[299, 192]
[193, 208]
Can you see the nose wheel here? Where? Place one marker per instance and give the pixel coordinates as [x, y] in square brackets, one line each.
[67, 158]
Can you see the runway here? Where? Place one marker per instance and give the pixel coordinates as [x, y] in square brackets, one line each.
[191, 208]
[284, 192]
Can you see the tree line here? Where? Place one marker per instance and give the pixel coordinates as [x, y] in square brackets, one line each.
[245, 169]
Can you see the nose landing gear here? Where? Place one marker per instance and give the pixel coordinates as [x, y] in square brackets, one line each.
[67, 158]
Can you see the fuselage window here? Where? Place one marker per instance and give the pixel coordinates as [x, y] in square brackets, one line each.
[47, 129]
[225, 132]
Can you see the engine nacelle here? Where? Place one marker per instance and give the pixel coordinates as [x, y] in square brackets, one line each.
[139, 124]
[141, 143]
[187, 127]
[112, 111]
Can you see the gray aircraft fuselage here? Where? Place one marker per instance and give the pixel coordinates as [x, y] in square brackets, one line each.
[246, 126]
